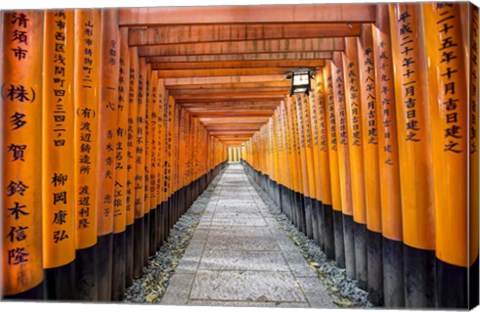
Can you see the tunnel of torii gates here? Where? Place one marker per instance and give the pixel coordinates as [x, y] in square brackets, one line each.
[115, 120]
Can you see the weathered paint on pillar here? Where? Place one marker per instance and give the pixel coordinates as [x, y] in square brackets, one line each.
[414, 143]
[355, 148]
[368, 104]
[132, 211]
[122, 236]
[21, 98]
[87, 69]
[449, 120]
[354, 126]
[121, 139]
[344, 161]
[86, 100]
[140, 142]
[58, 116]
[327, 215]
[332, 138]
[474, 161]
[108, 122]
[333, 156]
[389, 175]
[368, 100]
[415, 160]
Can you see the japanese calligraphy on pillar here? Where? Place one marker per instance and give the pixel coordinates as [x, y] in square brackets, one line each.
[58, 177]
[368, 76]
[153, 141]
[340, 98]
[448, 111]
[385, 92]
[132, 137]
[474, 92]
[474, 95]
[86, 101]
[21, 99]
[147, 139]
[331, 112]
[140, 143]
[121, 138]
[108, 125]
[452, 77]
[408, 73]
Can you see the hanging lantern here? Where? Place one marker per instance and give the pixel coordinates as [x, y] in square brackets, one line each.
[300, 81]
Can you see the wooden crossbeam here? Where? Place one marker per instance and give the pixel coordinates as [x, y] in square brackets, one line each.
[236, 32]
[232, 79]
[240, 85]
[185, 73]
[241, 57]
[237, 64]
[304, 13]
[240, 47]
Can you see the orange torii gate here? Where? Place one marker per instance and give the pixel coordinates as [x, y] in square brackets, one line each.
[378, 165]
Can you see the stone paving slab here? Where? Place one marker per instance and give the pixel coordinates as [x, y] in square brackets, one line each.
[240, 256]
[242, 260]
[246, 286]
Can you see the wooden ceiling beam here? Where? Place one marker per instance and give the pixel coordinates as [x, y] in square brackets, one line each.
[232, 95]
[238, 32]
[240, 47]
[242, 57]
[232, 79]
[232, 104]
[237, 64]
[227, 112]
[185, 73]
[212, 91]
[303, 13]
[239, 86]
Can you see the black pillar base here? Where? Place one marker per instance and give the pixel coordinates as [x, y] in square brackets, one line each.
[119, 265]
[393, 281]
[129, 255]
[328, 235]
[36, 293]
[338, 235]
[361, 264]
[349, 242]
[452, 286]
[375, 268]
[86, 282]
[138, 244]
[419, 276]
[104, 267]
[60, 282]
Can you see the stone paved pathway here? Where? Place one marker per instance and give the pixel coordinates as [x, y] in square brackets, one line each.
[239, 256]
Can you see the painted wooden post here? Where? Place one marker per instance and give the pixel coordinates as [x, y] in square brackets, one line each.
[415, 155]
[139, 235]
[106, 150]
[161, 162]
[343, 162]
[133, 212]
[390, 196]
[21, 98]
[448, 90]
[327, 223]
[373, 214]
[120, 213]
[58, 152]
[146, 159]
[152, 135]
[302, 140]
[473, 148]
[86, 101]
[333, 156]
[355, 149]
